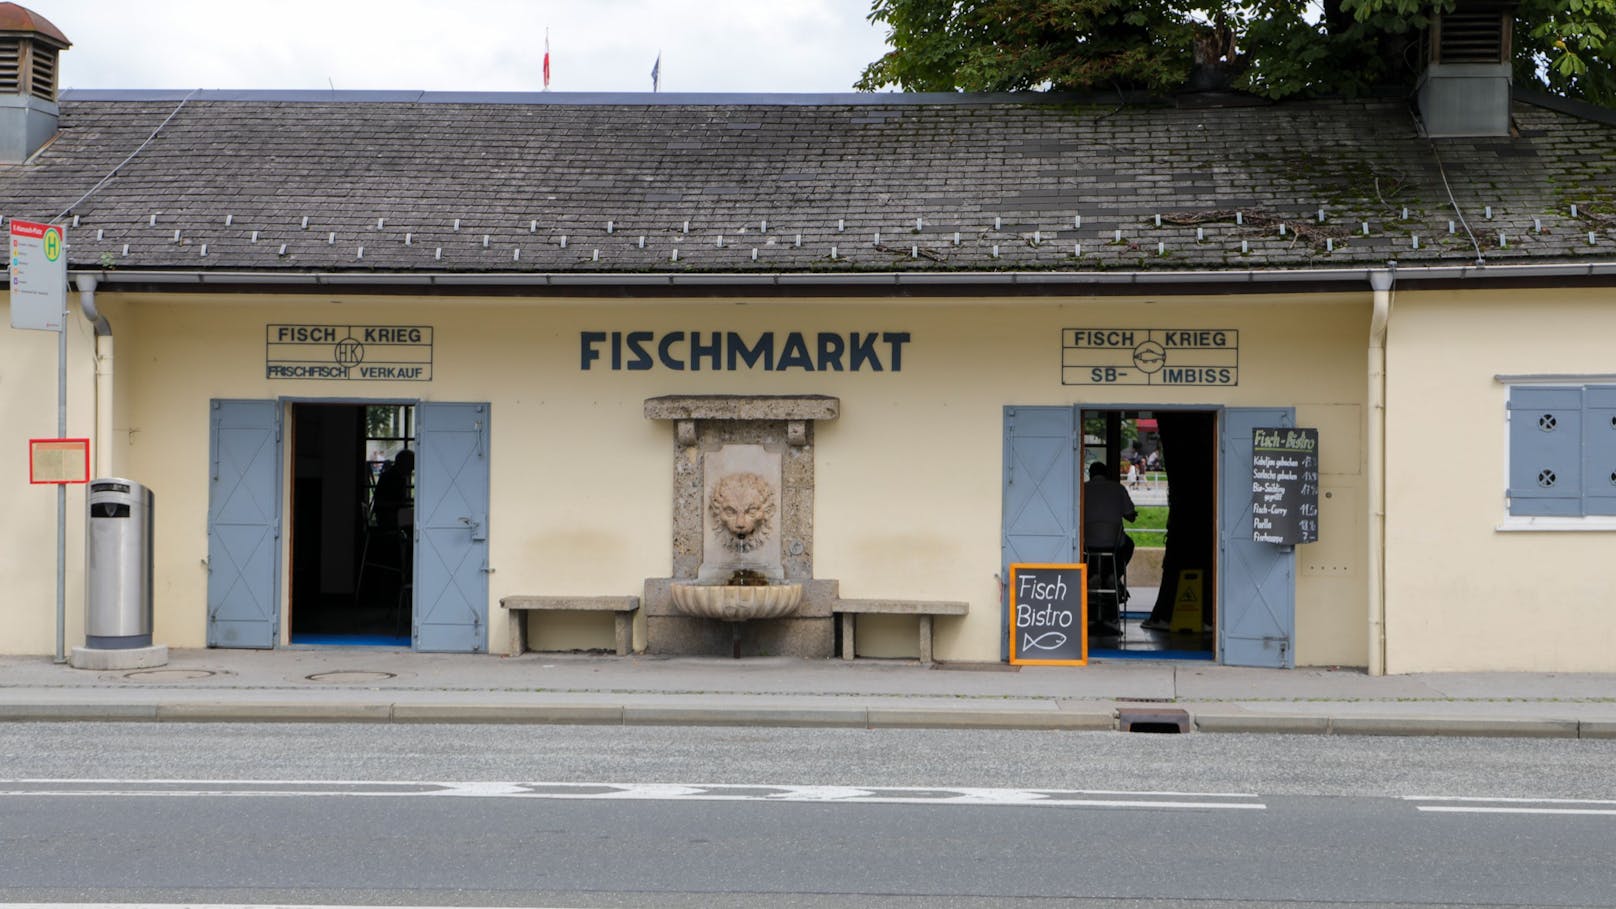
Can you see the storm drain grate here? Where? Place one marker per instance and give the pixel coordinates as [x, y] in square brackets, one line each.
[1153, 719]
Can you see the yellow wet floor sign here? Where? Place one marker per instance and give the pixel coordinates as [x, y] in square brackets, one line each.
[1187, 603]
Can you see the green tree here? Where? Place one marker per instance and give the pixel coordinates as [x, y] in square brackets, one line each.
[1275, 48]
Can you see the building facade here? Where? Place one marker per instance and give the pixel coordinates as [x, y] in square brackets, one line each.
[916, 318]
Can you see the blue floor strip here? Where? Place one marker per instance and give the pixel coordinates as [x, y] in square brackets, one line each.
[352, 640]
[1109, 654]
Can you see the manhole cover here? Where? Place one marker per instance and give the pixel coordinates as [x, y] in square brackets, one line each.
[352, 675]
[169, 675]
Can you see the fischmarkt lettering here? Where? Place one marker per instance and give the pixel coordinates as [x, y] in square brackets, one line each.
[1150, 356]
[363, 353]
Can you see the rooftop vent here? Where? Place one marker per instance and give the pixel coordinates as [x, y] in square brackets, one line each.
[29, 46]
[1464, 90]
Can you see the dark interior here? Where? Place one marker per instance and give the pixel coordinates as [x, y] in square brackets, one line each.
[351, 576]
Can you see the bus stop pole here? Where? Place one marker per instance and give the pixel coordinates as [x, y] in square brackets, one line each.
[61, 495]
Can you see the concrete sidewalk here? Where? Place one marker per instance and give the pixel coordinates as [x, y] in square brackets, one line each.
[341, 684]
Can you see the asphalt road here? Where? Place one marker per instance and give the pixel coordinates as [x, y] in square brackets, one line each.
[433, 815]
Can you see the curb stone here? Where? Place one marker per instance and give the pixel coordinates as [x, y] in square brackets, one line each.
[854, 717]
[1250, 723]
[77, 713]
[1597, 729]
[227, 712]
[1429, 725]
[922, 718]
[545, 714]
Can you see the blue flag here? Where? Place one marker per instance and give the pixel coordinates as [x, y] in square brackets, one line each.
[656, 71]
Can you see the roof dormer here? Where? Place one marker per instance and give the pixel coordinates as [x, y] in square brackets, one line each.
[29, 49]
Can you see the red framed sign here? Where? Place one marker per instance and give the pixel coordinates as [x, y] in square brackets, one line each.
[1049, 614]
[58, 461]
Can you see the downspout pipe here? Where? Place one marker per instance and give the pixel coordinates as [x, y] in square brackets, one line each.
[103, 375]
[1382, 282]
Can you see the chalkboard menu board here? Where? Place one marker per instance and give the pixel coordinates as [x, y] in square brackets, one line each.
[1285, 485]
[1049, 615]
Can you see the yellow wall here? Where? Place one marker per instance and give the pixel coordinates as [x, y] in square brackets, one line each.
[907, 499]
[28, 408]
[1461, 594]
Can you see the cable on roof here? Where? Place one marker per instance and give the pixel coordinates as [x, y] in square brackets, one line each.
[1437, 157]
[132, 155]
[1457, 210]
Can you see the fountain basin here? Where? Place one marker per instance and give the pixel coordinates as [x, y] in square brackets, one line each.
[736, 603]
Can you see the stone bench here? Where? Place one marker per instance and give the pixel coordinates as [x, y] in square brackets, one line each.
[924, 609]
[624, 607]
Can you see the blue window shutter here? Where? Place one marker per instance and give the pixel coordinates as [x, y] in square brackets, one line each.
[1545, 451]
[1599, 450]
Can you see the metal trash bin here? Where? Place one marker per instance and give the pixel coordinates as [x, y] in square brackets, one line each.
[118, 584]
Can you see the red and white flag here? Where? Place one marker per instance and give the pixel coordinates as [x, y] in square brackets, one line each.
[546, 59]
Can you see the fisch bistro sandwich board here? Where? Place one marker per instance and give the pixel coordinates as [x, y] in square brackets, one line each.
[1049, 614]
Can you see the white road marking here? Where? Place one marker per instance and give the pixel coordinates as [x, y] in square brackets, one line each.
[868, 795]
[215, 906]
[1459, 804]
[1456, 809]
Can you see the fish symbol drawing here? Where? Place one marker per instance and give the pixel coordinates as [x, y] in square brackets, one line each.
[1049, 640]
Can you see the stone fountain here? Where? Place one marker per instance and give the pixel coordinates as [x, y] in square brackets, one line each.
[742, 530]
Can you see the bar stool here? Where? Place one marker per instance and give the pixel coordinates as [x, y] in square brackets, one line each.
[389, 550]
[1108, 586]
[1105, 588]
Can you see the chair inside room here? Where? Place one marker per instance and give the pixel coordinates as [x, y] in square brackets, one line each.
[1107, 580]
[385, 561]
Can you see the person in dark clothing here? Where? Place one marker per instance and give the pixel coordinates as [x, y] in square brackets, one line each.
[1106, 504]
[393, 490]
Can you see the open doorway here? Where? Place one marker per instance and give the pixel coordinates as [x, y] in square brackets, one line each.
[352, 523]
[1160, 599]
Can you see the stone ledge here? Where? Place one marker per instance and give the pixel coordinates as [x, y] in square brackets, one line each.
[571, 604]
[622, 627]
[924, 610]
[901, 607]
[742, 407]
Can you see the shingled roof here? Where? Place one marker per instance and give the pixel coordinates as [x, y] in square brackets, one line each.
[420, 182]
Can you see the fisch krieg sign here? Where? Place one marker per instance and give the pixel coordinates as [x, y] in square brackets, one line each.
[397, 353]
[1150, 356]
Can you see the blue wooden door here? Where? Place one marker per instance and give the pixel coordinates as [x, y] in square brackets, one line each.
[1257, 593]
[1040, 504]
[244, 524]
[451, 528]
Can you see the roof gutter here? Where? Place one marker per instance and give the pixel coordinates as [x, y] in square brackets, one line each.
[909, 280]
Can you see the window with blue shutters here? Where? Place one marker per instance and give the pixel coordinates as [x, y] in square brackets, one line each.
[1562, 450]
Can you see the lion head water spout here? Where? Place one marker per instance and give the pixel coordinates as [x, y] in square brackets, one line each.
[741, 486]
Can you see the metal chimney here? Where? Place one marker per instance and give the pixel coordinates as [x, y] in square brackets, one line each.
[29, 45]
[1464, 90]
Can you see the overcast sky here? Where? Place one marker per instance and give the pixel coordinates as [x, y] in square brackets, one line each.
[470, 45]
